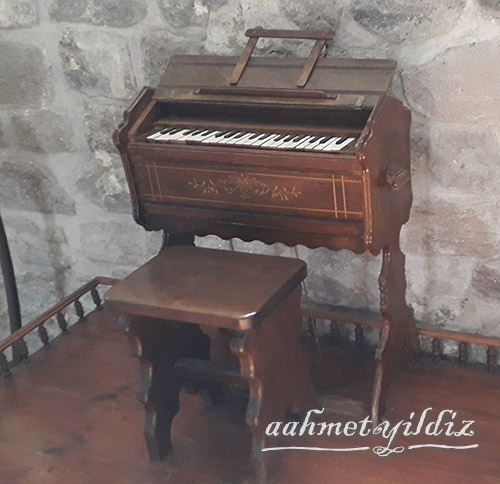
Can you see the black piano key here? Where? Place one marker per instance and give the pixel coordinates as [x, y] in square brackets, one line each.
[190, 131]
[299, 137]
[198, 131]
[176, 130]
[255, 135]
[230, 133]
[221, 133]
[266, 135]
[324, 140]
[340, 140]
[280, 137]
[167, 130]
[289, 138]
[313, 140]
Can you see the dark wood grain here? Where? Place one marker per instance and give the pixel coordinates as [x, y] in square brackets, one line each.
[190, 304]
[208, 287]
[357, 199]
[71, 416]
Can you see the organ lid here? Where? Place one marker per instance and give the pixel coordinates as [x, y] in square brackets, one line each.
[358, 83]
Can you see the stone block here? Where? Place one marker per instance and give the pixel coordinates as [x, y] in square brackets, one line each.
[341, 277]
[227, 25]
[398, 20]
[491, 6]
[3, 139]
[101, 120]
[185, 13]
[24, 74]
[97, 64]
[26, 185]
[159, 45]
[444, 90]
[103, 182]
[19, 14]
[313, 14]
[438, 286]
[109, 13]
[465, 157]
[118, 243]
[42, 131]
[486, 279]
[36, 246]
[37, 293]
[462, 227]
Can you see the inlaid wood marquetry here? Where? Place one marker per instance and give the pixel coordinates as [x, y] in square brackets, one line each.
[334, 196]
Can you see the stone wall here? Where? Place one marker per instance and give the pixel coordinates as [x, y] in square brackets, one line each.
[69, 67]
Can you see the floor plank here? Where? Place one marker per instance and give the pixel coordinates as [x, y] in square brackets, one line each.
[70, 415]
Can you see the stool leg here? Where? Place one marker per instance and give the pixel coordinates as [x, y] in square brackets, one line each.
[277, 368]
[159, 344]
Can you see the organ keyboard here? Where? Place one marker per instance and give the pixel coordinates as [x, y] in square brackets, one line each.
[251, 139]
[274, 150]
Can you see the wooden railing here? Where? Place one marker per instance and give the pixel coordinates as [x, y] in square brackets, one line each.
[16, 340]
[361, 319]
[335, 314]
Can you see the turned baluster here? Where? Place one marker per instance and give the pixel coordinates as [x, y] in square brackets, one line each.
[79, 310]
[491, 358]
[335, 331]
[4, 366]
[95, 297]
[310, 328]
[437, 349]
[463, 353]
[61, 321]
[359, 335]
[42, 333]
[20, 350]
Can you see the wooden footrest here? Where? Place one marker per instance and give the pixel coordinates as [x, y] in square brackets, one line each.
[208, 370]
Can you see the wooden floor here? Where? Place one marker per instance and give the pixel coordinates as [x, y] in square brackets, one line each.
[70, 415]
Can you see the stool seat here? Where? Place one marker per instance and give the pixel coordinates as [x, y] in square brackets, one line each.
[213, 317]
[210, 287]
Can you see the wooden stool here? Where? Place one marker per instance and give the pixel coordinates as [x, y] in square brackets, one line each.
[226, 314]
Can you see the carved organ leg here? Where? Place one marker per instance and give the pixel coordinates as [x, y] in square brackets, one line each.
[159, 344]
[398, 329]
[278, 372]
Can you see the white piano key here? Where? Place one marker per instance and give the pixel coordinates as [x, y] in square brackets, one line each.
[236, 139]
[172, 137]
[253, 137]
[285, 145]
[321, 143]
[285, 142]
[226, 139]
[333, 142]
[200, 136]
[264, 138]
[291, 145]
[159, 133]
[273, 141]
[314, 141]
[213, 138]
[254, 141]
[244, 140]
[304, 142]
[337, 146]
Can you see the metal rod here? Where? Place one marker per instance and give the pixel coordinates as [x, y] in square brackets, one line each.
[9, 281]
